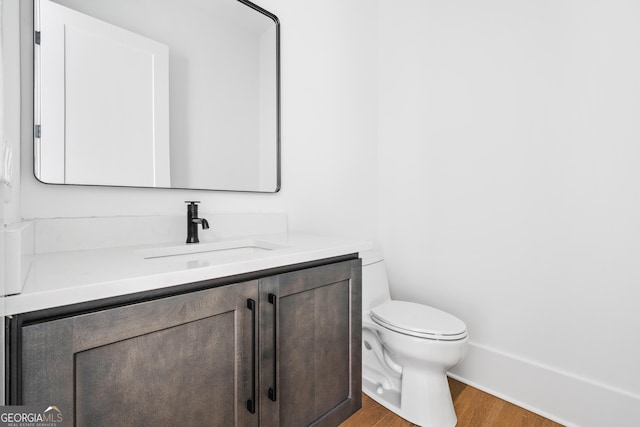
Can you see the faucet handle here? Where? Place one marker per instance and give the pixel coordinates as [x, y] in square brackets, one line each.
[192, 202]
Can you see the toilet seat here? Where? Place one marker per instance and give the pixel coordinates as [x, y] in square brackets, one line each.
[419, 321]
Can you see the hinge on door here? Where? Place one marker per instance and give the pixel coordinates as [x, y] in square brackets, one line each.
[36, 37]
[36, 131]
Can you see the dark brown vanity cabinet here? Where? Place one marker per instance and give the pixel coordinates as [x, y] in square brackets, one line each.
[279, 350]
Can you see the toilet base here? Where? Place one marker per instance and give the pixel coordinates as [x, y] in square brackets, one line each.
[426, 398]
[411, 404]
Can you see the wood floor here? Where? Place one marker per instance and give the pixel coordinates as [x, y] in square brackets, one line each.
[474, 408]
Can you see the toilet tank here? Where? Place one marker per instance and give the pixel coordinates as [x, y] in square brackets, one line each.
[375, 288]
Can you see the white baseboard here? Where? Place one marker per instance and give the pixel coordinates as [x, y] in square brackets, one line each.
[559, 396]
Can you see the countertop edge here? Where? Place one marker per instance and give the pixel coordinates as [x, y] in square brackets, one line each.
[98, 289]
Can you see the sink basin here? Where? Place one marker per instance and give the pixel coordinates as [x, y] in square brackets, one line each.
[209, 251]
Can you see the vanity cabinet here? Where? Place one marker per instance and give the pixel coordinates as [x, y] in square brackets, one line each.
[275, 350]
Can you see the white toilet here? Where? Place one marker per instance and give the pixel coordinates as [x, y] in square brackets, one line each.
[407, 349]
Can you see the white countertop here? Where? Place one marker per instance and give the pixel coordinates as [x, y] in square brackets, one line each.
[61, 278]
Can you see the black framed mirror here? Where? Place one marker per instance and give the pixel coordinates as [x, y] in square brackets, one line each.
[167, 94]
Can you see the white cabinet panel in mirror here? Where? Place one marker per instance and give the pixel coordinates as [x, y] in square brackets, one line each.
[168, 93]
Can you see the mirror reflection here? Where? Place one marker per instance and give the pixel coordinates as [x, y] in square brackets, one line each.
[169, 93]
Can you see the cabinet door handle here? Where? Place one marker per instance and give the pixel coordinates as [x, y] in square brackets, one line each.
[272, 390]
[251, 403]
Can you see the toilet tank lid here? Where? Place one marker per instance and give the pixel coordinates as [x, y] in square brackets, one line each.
[371, 257]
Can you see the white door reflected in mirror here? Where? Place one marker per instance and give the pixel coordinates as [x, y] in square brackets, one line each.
[104, 102]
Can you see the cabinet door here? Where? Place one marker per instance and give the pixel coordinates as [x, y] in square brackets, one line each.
[310, 365]
[186, 360]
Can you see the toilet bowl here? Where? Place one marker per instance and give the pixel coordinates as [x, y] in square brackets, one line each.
[407, 350]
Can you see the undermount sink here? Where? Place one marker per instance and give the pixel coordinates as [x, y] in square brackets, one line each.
[212, 250]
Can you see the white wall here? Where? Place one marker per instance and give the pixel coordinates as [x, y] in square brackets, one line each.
[509, 191]
[10, 103]
[328, 135]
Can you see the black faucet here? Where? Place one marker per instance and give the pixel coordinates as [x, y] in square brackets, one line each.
[193, 221]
